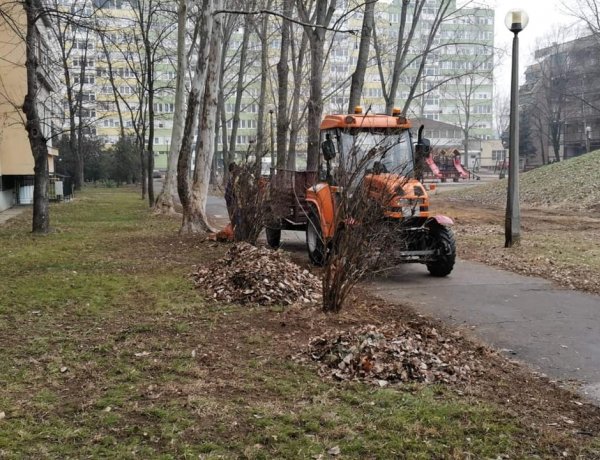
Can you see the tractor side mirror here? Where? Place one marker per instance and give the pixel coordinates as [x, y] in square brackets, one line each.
[423, 146]
[328, 148]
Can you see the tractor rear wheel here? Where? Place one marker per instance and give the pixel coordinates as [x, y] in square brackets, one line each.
[442, 239]
[315, 243]
[273, 237]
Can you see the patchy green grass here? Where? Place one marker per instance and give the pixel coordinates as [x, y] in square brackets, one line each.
[106, 351]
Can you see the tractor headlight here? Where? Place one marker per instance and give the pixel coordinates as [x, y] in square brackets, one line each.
[409, 208]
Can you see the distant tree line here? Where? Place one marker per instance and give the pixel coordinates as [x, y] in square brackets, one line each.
[119, 163]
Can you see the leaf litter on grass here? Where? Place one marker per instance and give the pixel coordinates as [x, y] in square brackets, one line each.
[393, 353]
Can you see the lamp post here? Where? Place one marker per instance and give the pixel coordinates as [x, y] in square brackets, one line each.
[516, 21]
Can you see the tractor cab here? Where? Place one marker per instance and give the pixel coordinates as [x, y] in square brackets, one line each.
[355, 145]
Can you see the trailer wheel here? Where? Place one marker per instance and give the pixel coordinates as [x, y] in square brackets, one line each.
[442, 239]
[314, 239]
[273, 237]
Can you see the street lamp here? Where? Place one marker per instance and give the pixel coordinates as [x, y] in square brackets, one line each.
[516, 21]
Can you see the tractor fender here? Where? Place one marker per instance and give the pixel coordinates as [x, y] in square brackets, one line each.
[321, 197]
[442, 220]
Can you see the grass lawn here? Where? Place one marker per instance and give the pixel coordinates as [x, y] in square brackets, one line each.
[107, 351]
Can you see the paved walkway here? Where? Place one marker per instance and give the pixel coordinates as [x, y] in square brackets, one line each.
[12, 212]
[555, 330]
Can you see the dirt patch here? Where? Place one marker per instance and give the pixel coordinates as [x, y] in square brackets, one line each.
[561, 246]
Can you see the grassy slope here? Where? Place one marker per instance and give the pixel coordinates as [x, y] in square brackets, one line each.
[572, 184]
[107, 352]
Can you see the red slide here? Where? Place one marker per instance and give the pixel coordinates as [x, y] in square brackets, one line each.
[463, 174]
[433, 167]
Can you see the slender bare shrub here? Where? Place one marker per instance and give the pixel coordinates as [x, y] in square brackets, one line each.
[366, 236]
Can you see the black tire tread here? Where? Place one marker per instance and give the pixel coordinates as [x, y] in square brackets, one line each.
[319, 256]
[445, 263]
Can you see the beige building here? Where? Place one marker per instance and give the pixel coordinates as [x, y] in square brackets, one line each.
[16, 159]
[493, 154]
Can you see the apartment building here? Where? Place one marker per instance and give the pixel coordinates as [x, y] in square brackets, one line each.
[456, 80]
[16, 159]
[455, 87]
[457, 77]
[559, 101]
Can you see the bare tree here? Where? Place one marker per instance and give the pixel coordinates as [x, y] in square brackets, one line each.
[206, 136]
[549, 94]
[203, 100]
[239, 88]
[470, 110]
[297, 116]
[263, 34]
[29, 22]
[418, 43]
[283, 70]
[137, 43]
[73, 30]
[317, 22]
[165, 203]
[587, 12]
[358, 77]
[501, 113]
[34, 12]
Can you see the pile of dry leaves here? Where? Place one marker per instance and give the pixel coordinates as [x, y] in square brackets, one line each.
[247, 274]
[394, 353]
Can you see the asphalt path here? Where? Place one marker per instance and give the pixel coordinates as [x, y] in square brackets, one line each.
[555, 331]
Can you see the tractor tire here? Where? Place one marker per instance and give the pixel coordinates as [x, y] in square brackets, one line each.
[273, 235]
[442, 238]
[315, 244]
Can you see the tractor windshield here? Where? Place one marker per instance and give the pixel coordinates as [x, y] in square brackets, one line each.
[379, 151]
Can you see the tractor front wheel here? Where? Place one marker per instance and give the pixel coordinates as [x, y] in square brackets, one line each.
[317, 252]
[442, 239]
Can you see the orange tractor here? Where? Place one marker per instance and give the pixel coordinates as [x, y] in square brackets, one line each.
[379, 150]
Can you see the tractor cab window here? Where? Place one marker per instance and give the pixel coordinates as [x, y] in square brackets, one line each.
[376, 151]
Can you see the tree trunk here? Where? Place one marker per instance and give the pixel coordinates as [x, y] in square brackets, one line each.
[205, 150]
[150, 149]
[283, 121]
[79, 151]
[261, 147]
[195, 98]
[315, 102]
[165, 202]
[227, 157]
[358, 77]
[296, 118]
[239, 92]
[33, 125]
[321, 17]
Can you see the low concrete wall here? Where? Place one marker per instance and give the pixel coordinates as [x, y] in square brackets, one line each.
[7, 199]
